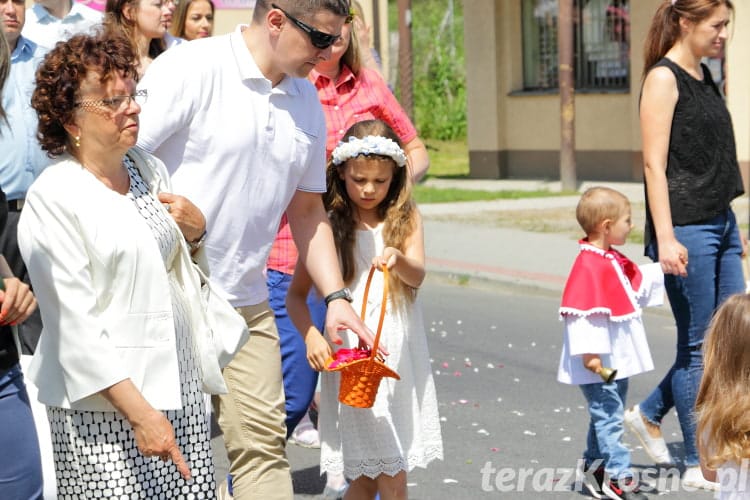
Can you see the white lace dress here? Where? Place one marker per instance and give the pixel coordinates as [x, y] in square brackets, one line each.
[402, 430]
[94, 451]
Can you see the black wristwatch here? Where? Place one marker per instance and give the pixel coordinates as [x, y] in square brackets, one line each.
[344, 293]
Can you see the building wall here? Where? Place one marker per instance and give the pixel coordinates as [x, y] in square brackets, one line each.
[516, 134]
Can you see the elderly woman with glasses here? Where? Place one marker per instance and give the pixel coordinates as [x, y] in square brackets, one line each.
[109, 250]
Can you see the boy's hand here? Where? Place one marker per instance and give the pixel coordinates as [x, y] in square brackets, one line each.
[592, 362]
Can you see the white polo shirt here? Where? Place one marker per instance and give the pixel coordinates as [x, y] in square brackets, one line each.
[236, 146]
[46, 30]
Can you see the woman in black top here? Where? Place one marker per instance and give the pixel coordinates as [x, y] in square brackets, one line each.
[691, 176]
[20, 462]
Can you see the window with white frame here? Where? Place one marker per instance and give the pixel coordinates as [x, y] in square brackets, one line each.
[601, 41]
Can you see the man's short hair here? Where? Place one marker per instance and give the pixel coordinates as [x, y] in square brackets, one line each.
[302, 9]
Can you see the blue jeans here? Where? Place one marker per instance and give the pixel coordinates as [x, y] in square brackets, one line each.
[714, 273]
[604, 440]
[20, 459]
[299, 379]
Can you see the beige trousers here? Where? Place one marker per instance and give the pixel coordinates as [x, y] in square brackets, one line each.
[252, 414]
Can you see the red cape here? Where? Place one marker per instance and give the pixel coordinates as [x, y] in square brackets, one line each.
[602, 282]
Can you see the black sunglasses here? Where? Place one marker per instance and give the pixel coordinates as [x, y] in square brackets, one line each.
[319, 39]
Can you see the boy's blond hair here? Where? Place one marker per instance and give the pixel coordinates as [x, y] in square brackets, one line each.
[598, 204]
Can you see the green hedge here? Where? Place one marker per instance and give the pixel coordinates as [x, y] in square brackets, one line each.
[438, 67]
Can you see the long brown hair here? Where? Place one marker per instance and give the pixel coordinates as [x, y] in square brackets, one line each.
[723, 402]
[665, 26]
[397, 209]
[116, 21]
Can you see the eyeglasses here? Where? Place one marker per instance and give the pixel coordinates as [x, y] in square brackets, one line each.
[319, 39]
[116, 103]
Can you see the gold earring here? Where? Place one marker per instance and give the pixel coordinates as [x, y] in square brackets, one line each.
[78, 141]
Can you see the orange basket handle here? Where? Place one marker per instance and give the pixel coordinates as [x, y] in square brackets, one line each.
[376, 342]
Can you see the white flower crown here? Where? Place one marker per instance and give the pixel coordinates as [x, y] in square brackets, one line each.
[368, 145]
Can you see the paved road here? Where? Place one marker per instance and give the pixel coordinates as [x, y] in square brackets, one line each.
[495, 350]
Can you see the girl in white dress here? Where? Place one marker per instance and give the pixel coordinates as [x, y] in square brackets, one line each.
[375, 222]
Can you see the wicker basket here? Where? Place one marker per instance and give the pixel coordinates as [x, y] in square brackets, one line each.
[361, 378]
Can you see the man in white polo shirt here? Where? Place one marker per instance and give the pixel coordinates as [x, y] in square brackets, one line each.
[243, 135]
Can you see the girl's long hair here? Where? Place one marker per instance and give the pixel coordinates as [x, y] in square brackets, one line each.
[665, 26]
[397, 210]
[723, 403]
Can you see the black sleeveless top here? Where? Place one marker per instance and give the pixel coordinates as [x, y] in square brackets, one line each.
[8, 351]
[703, 175]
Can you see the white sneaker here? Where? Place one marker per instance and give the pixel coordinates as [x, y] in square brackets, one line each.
[693, 478]
[305, 434]
[656, 448]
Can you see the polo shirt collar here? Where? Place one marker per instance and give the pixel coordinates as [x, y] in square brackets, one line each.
[76, 12]
[24, 49]
[249, 70]
[345, 75]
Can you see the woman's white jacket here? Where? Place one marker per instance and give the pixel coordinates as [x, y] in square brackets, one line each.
[103, 292]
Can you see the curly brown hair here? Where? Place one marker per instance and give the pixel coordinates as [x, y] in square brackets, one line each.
[59, 77]
[397, 210]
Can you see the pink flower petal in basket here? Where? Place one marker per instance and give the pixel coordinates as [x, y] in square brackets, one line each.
[345, 356]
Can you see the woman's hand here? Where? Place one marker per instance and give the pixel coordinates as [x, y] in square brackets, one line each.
[673, 257]
[18, 303]
[318, 350]
[188, 217]
[154, 437]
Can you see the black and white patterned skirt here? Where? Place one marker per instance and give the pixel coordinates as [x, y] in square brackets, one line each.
[96, 455]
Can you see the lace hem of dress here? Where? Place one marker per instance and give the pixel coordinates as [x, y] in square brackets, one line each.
[373, 467]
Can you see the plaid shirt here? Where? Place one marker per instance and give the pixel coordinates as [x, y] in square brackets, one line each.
[345, 102]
